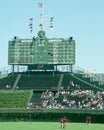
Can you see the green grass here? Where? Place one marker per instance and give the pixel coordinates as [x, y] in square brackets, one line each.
[11, 99]
[48, 126]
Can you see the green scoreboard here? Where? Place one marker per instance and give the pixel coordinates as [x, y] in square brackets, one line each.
[41, 50]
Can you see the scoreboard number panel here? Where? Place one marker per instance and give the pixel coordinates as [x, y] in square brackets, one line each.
[41, 50]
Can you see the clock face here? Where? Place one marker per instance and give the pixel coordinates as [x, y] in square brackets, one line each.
[41, 33]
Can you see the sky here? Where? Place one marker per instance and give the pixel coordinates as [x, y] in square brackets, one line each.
[81, 19]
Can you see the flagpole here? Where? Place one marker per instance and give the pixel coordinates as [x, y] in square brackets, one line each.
[42, 17]
[40, 5]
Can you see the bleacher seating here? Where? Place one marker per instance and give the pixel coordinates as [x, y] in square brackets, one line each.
[68, 79]
[38, 82]
[7, 82]
[41, 82]
[36, 98]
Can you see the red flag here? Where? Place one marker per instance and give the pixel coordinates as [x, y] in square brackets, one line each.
[40, 5]
[51, 26]
[31, 19]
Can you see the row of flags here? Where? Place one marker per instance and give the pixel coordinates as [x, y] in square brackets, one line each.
[40, 5]
[31, 24]
[51, 23]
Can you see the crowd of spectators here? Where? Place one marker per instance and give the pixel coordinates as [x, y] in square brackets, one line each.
[72, 98]
[85, 99]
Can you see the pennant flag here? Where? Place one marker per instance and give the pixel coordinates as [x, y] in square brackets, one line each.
[31, 19]
[30, 24]
[40, 5]
[41, 26]
[51, 26]
[51, 19]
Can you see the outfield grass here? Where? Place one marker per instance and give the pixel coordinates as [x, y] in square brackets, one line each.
[48, 126]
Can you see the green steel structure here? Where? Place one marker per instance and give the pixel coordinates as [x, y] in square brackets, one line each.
[41, 50]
